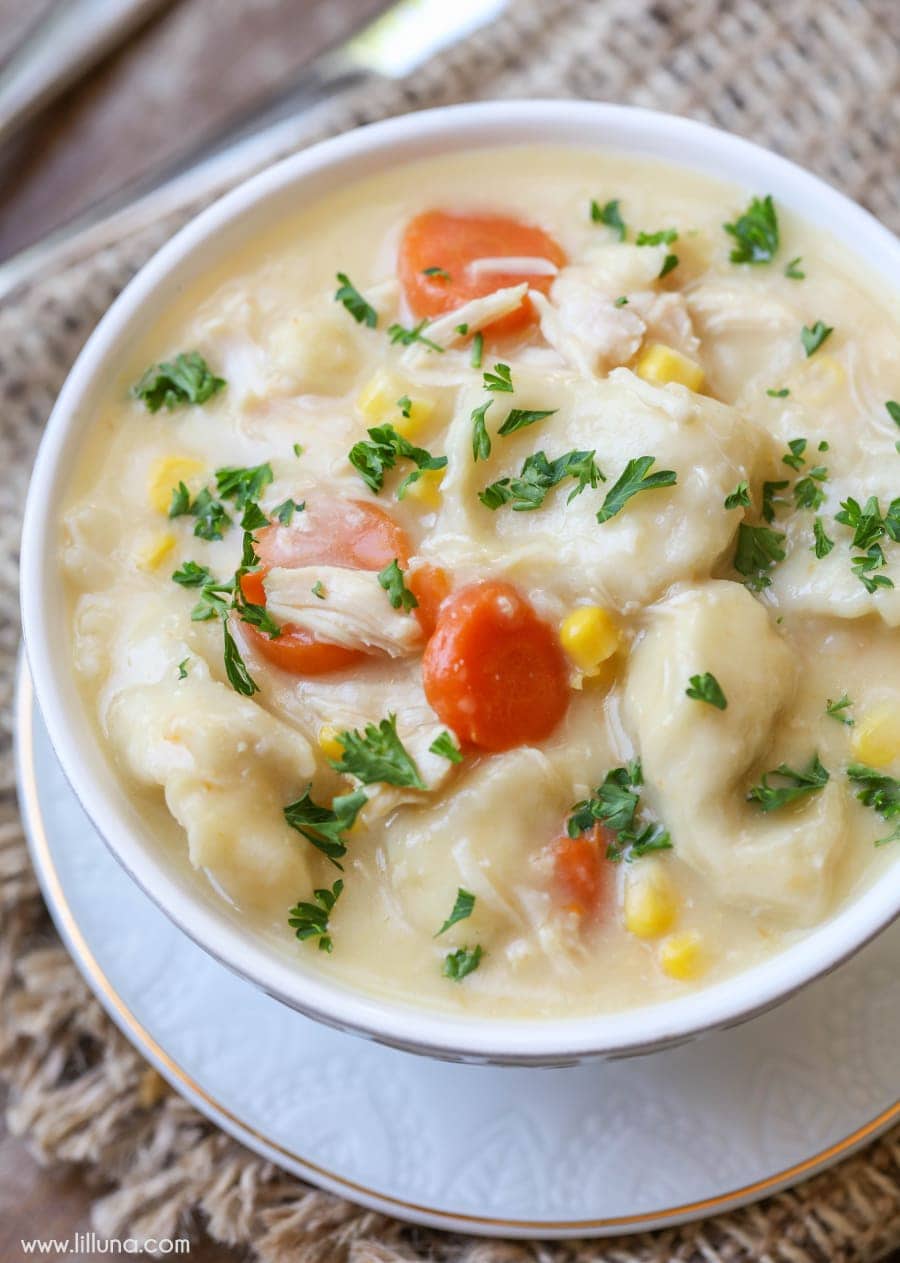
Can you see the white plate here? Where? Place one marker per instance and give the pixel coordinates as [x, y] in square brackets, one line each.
[591, 1150]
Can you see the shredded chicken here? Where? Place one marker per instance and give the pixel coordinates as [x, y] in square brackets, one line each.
[341, 607]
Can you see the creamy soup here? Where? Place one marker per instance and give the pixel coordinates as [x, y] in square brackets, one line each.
[490, 579]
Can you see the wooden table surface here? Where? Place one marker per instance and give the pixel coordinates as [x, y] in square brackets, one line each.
[186, 72]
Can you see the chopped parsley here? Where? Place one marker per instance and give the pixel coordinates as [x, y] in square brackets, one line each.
[795, 457]
[519, 418]
[792, 270]
[404, 403]
[500, 379]
[347, 294]
[477, 350]
[440, 273]
[211, 514]
[706, 688]
[778, 394]
[807, 781]
[893, 410]
[621, 301]
[837, 710]
[539, 475]
[252, 520]
[462, 329]
[445, 746]
[808, 491]
[670, 262]
[739, 498]
[243, 484]
[318, 589]
[462, 908]
[374, 458]
[664, 237]
[310, 920]
[406, 337]
[238, 676]
[867, 521]
[633, 479]
[863, 565]
[822, 545]
[812, 338]
[214, 601]
[758, 549]
[616, 804]
[880, 792]
[755, 232]
[323, 826]
[192, 575]
[175, 383]
[481, 440]
[465, 960]
[286, 510]
[378, 755]
[610, 215]
[298, 449]
[182, 668]
[399, 595]
[771, 499]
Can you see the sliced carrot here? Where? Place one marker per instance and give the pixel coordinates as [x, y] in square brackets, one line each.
[351, 533]
[430, 585]
[493, 671]
[581, 871]
[436, 252]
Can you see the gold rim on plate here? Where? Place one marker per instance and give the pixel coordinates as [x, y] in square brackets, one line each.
[176, 1076]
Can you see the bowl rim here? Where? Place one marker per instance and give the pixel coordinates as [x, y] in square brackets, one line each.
[343, 160]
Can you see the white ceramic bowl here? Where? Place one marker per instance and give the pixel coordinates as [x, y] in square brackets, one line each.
[197, 247]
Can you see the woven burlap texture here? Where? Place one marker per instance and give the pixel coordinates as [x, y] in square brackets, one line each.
[814, 79]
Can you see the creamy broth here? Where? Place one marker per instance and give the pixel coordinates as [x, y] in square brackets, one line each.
[655, 586]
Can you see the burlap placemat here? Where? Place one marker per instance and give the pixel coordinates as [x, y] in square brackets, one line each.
[815, 79]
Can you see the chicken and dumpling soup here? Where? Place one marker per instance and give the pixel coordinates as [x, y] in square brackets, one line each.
[490, 580]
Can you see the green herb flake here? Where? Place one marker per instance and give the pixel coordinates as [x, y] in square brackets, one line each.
[477, 350]
[838, 710]
[616, 804]
[318, 589]
[778, 394]
[298, 449]
[399, 595]
[238, 676]
[481, 440]
[285, 511]
[539, 475]
[310, 920]
[349, 296]
[404, 403]
[445, 746]
[808, 780]
[437, 273]
[758, 549]
[812, 338]
[755, 232]
[373, 458]
[520, 418]
[770, 498]
[462, 909]
[795, 457]
[211, 514]
[706, 688]
[462, 330]
[499, 379]
[878, 791]
[808, 491]
[323, 826]
[377, 755]
[793, 271]
[464, 961]
[893, 410]
[243, 484]
[822, 545]
[610, 215]
[406, 337]
[621, 301]
[182, 668]
[176, 383]
[670, 262]
[664, 237]
[739, 498]
[191, 575]
[634, 479]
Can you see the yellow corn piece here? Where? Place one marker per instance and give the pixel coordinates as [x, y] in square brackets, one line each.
[153, 550]
[328, 742]
[660, 364]
[681, 955]
[651, 904]
[379, 402]
[426, 491]
[589, 636]
[876, 737]
[166, 474]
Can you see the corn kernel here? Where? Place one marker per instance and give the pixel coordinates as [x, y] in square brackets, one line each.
[589, 636]
[681, 955]
[153, 551]
[876, 737]
[328, 742]
[650, 901]
[660, 364]
[379, 402]
[165, 476]
[426, 490]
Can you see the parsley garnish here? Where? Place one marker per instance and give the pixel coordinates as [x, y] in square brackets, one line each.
[182, 668]
[465, 960]
[633, 479]
[778, 394]
[211, 514]
[378, 755]
[770, 499]
[706, 688]
[238, 676]
[519, 418]
[243, 484]
[298, 449]
[739, 498]
[252, 520]
[462, 908]
[893, 410]
[664, 237]
[445, 747]
[462, 329]
[808, 492]
[286, 510]
[404, 403]
[185, 380]
[615, 804]
[373, 459]
[481, 440]
[867, 522]
[792, 270]
[755, 232]
[621, 301]
[310, 920]
[361, 311]
[406, 337]
[669, 263]
[863, 565]
[214, 600]
[609, 215]
[813, 338]
[437, 272]
[399, 595]
[538, 476]
[878, 791]
[758, 549]
[795, 457]
[836, 710]
[823, 545]
[807, 781]
[191, 575]
[500, 379]
[323, 826]
[477, 350]
[318, 589]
